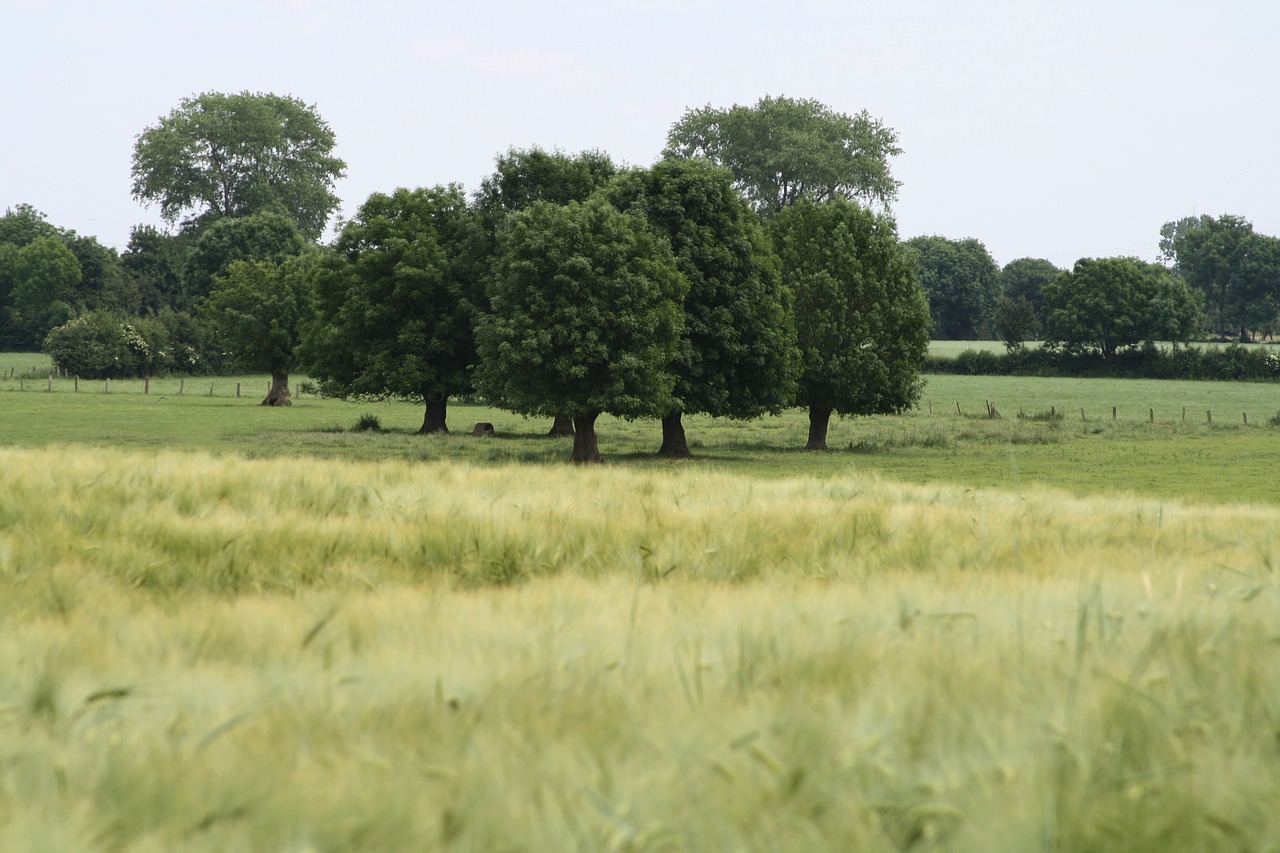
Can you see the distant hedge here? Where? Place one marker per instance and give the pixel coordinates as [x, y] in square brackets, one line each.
[1150, 361]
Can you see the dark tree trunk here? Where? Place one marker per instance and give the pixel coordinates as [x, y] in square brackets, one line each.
[433, 419]
[674, 445]
[279, 393]
[561, 427]
[585, 448]
[818, 421]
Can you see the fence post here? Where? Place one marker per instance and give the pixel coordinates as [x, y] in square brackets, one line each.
[146, 385]
[237, 389]
[50, 388]
[1246, 418]
[76, 387]
[1113, 413]
[958, 412]
[182, 383]
[1153, 415]
[106, 386]
[1082, 414]
[1209, 416]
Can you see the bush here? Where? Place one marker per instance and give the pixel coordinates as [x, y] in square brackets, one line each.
[99, 345]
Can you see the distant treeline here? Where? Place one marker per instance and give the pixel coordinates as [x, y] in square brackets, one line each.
[1149, 361]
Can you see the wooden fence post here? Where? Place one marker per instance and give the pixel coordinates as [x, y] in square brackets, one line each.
[1113, 413]
[76, 387]
[237, 389]
[958, 412]
[182, 383]
[1209, 416]
[1153, 415]
[146, 385]
[1082, 414]
[106, 386]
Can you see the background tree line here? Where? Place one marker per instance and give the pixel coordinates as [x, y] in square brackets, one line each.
[755, 266]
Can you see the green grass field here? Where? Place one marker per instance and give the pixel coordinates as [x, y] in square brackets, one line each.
[237, 628]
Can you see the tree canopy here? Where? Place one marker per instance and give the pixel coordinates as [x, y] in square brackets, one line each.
[585, 317]
[225, 155]
[784, 149]
[1236, 269]
[737, 356]
[257, 311]
[861, 317]
[396, 303]
[962, 283]
[1107, 304]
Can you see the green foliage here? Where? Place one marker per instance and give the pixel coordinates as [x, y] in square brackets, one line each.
[396, 301]
[102, 345]
[1025, 278]
[785, 149]
[268, 237]
[861, 318]
[41, 276]
[962, 283]
[1108, 304]
[1015, 321]
[257, 311]
[737, 356]
[523, 176]
[586, 314]
[230, 155]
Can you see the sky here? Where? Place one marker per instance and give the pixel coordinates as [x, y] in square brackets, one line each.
[1042, 128]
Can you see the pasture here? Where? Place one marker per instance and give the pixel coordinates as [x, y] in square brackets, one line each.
[236, 628]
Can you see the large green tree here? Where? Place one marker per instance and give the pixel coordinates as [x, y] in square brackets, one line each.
[861, 317]
[1231, 264]
[784, 149]
[265, 236]
[257, 311]
[737, 357]
[397, 302]
[585, 318]
[225, 155]
[962, 283]
[1025, 278]
[1107, 304]
[523, 176]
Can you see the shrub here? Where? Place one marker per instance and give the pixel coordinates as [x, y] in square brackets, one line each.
[99, 345]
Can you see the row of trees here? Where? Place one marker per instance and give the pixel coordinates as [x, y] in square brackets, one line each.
[754, 267]
[1216, 276]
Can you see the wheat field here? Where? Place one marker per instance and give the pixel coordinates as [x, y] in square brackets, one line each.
[206, 652]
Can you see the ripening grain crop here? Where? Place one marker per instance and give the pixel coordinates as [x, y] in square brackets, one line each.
[212, 653]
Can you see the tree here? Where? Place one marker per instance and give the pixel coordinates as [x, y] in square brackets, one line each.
[861, 319]
[783, 149]
[737, 357]
[224, 155]
[1107, 304]
[585, 318]
[962, 284]
[267, 236]
[1209, 254]
[43, 273]
[523, 176]
[396, 303]
[257, 310]
[1025, 278]
[155, 260]
[1015, 321]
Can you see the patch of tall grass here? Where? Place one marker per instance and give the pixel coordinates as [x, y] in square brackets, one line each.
[214, 653]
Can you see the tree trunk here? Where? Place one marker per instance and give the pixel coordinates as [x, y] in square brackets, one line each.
[561, 427]
[674, 445]
[279, 393]
[433, 419]
[818, 420]
[585, 448]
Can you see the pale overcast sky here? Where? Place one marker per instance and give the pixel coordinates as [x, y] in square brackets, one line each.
[1058, 129]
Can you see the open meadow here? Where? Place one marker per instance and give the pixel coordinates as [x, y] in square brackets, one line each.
[235, 628]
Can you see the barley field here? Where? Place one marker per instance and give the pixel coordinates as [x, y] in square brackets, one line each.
[204, 651]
